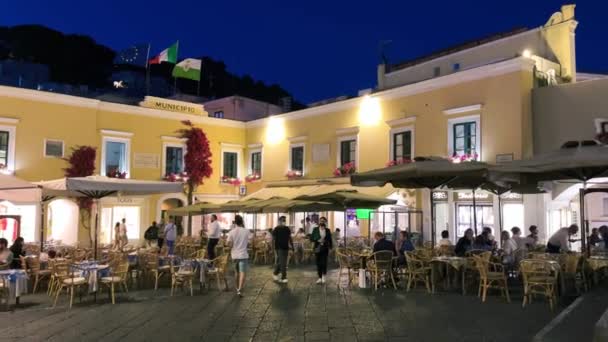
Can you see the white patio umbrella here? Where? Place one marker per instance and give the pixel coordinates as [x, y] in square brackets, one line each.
[97, 187]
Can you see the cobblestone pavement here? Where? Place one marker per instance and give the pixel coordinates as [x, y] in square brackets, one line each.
[298, 311]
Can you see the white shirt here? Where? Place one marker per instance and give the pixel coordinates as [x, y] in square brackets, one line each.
[509, 246]
[308, 228]
[445, 242]
[215, 231]
[560, 239]
[170, 232]
[239, 237]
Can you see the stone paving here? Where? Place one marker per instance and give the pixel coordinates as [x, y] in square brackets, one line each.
[298, 311]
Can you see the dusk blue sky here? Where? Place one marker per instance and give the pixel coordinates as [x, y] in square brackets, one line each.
[314, 49]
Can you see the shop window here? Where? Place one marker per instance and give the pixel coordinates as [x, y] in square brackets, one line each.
[4, 153]
[230, 164]
[465, 139]
[255, 160]
[174, 159]
[348, 151]
[53, 148]
[115, 155]
[296, 157]
[401, 146]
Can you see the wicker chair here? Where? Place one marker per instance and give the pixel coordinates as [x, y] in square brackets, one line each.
[154, 269]
[219, 271]
[573, 270]
[35, 271]
[67, 278]
[381, 264]
[491, 275]
[182, 276]
[349, 262]
[117, 276]
[417, 270]
[539, 277]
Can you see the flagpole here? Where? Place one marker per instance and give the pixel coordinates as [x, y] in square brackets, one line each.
[148, 70]
[175, 78]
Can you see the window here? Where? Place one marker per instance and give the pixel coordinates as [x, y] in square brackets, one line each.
[230, 167]
[456, 66]
[436, 71]
[174, 159]
[402, 145]
[4, 139]
[53, 148]
[256, 162]
[297, 158]
[218, 114]
[605, 127]
[348, 151]
[465, 138]
[605, 205]
[115, 155]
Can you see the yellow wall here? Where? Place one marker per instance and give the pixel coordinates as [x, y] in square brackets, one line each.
[504, 116]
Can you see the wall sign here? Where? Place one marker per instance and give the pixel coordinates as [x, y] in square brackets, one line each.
[243, 190]
[481, 196]
[172, 106]
[320, 153]
[146, 160]
[440, 196]
[504, 158]
[512, 197]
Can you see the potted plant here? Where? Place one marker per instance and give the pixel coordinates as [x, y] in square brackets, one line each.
[252, 177]
[231, 180]
[398, 161]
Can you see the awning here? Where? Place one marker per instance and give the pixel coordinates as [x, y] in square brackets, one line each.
[294, 189]
[199, 208]
[16, 190]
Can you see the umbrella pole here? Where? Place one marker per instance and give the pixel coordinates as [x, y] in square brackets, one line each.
[500, 220]
[474, 213]
[96, 227]
[583, 219]
[432, 218]
[345, 227]
[41, 226]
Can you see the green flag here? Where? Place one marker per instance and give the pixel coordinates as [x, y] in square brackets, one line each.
[188, 68]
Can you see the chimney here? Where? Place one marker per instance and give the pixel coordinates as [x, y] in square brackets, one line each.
[568, 12]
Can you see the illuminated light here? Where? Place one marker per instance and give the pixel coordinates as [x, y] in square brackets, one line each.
[527, 53]
[275, 131]
[369, 111]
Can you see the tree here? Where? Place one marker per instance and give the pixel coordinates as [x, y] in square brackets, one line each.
[197, 161]
[81, 164]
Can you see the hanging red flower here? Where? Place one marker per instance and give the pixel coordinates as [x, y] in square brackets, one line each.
[398, 161]
[81, 163]
[345, 170]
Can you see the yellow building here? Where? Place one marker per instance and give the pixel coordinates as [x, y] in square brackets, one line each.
[471, 100]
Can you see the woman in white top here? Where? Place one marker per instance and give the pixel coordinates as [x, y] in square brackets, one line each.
[509, 246]
[445, 239]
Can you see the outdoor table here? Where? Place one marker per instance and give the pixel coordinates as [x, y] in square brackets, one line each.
[17, 283]
[201, 265]
[91, 271]
[455, 262]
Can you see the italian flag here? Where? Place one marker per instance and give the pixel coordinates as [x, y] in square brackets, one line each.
[168, 55]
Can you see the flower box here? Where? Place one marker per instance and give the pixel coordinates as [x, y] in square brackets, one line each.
[345, 170]
[231, 181]
[176, 177]
[253, 177]
[398, 161]
[456, 158]
[293, 174]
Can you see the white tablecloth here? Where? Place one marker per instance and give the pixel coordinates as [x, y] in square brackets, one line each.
[17, 282]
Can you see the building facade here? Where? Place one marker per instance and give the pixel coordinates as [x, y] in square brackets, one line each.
[481, 109]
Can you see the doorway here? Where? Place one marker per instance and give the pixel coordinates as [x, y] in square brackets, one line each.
[10, 227]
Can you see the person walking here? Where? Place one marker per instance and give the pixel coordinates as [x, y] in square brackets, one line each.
[117, 236]
[281, 235]
[238, 239]
[213, 236]
[170, 235]
[124, 240]
[151, 234]
[321, 237]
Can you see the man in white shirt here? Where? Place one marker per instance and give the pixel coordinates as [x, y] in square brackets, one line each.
[170, 235]
[560, 241]
[238, 238]
[509, 246]
[213, 235]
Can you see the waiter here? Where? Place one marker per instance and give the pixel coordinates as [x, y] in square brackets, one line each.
[213, 234]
